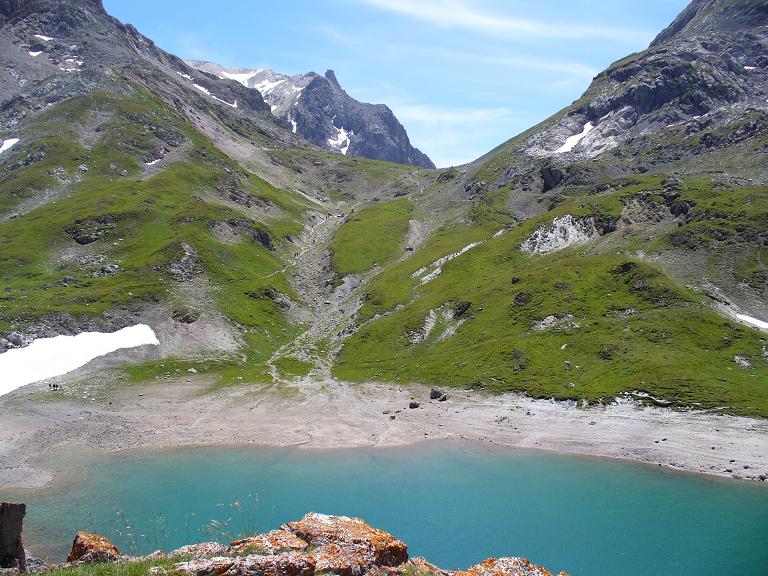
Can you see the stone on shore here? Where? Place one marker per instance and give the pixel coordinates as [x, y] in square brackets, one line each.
[87, 548]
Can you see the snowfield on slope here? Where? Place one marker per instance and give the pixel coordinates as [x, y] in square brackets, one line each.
[572, 141]
[8, 144]
[49, 357]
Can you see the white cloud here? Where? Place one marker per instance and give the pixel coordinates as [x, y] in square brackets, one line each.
[468, 15]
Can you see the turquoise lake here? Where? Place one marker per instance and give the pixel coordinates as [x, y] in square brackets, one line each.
[454, 504]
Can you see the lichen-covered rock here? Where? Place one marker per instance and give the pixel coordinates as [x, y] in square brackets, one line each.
[286, 564]
[272, 542]
[87, 547]
[418, 565]
[204, 549]
[506, 567]
[320, 529]
[344, 559]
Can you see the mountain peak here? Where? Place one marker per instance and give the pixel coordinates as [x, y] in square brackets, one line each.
[705, 16]
[11, 8]
[318, 109]
[330, 75]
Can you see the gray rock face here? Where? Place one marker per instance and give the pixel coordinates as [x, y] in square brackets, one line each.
[317, 108]
[700, 89]
[682, 79]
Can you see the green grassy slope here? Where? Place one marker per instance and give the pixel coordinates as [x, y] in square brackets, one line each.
[141, 224]
[370, 236]
[623, 325]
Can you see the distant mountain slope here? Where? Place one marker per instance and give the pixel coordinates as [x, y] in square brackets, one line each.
[317, 108]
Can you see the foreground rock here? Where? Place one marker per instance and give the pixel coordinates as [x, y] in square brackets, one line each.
[315, 545]
[320, 544]
[88, 547]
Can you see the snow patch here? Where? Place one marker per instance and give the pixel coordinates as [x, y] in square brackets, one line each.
[204, 90]
[342, 140]
[153, 162]
[750, 68]
[7, 144]
[572, 141]
[432, 271]
[294, 126]
[185, 76]
[43, 38]
[239, 77]
[49, 357]
[71, 65]
[762, 324]
[35, 54]
[565, 231]
[266, 86]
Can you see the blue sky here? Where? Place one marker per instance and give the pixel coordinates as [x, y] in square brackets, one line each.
[461, 75]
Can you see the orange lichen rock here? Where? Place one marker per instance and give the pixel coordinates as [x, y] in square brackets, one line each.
[505, 567]
[272, 542]
[343, 559]
[286, 564]
[87, 547]
[319, 529]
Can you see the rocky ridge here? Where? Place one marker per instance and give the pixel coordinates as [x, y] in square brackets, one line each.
[317, 108]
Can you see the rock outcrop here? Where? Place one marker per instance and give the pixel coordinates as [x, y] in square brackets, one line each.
[317, 544]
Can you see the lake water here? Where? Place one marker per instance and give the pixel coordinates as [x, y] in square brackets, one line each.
[454, 504]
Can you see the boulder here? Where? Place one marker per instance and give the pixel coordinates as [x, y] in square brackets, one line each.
[272, 542]
[320, 530]
[88, 547]
[435, 394]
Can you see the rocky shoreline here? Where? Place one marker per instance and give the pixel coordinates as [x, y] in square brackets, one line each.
[317, 544]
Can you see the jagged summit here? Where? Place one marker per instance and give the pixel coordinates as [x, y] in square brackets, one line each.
[317, 108]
